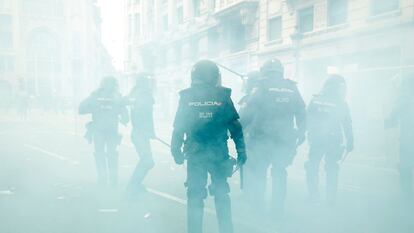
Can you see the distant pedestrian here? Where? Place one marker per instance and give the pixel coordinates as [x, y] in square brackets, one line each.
[141, 101]
[329, 119]
[402, 115]
[108, 109]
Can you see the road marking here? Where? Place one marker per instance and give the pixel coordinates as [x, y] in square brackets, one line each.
[6, 192]
[51, 154]
[206, 209]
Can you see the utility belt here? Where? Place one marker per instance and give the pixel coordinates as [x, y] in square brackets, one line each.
[92, 129]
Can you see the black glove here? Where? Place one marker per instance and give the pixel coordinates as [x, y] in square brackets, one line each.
[178, 158]
[241, 158]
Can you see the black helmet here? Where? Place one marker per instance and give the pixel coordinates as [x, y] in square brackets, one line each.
[272, 68]
[253, 78]
[205, 72]
[335, 85]
[143, 81]
[109, 83]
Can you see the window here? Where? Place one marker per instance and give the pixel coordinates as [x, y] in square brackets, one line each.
[6, 63]
[381, 6]
[5, 5]
[180, 15]
[194, 50]
[237, 37]
[337, 12]
[274, 28]
[213, 43]
[305, 18]
[6, 32]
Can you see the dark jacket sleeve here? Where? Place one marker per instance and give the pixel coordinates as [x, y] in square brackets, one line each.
[234, 126]
[347, 125]
[300, 111]
[177, 139]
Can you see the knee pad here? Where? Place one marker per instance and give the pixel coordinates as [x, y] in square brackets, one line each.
[332, 168]
[219, 190]
[279, 172]
[196, 193]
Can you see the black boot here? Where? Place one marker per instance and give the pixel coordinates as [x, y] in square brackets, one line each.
[195, 210]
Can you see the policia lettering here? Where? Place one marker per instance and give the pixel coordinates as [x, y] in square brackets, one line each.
[270, 115]
[107, 109]
[328, 119]
[205, 115]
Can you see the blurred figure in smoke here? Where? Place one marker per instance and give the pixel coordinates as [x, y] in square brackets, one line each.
[108, 109]
[205, 115]
[328, 120]
[250, 187]
[271, 114]
[142, 102]
[402, 115]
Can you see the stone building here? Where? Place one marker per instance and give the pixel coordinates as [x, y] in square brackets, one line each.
[52, 48]
[368, 41]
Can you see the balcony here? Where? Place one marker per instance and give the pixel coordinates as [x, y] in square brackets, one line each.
[224, 7]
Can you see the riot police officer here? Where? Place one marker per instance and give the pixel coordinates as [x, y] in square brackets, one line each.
[142, 102]
[328, 120]
[402, 115]
[275, 115]
[108, 109]
[250, 182]
[204, 117]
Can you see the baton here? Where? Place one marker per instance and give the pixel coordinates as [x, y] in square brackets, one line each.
[241, 177]
[162, 142]
[240, 168]
[231, 71]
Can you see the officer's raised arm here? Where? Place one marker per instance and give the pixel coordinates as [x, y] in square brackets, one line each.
[236, 131]
[347, 128]
[177, 138]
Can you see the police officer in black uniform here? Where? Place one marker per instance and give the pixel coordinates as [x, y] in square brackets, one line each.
[402, 115]
[328, 120]
[142, 103]
[205, 116]
[275, 115]
[108, 109]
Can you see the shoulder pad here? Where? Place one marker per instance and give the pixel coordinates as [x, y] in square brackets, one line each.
[185, 92]
[226, 91]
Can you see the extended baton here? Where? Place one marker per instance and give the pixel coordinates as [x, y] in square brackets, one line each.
[162, 142]
[231, 71]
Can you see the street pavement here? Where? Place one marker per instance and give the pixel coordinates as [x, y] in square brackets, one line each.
[47, 184]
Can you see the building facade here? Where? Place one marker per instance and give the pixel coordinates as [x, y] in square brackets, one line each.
[52, 48]
[368, 41]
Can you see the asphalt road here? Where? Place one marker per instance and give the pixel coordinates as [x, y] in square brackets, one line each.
[47, 184]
